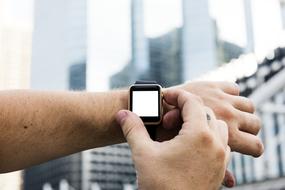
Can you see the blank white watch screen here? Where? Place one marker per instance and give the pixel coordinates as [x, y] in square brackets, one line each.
[145, 103]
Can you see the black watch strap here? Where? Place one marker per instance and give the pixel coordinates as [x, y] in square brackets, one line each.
[151, 129]
[145, 82]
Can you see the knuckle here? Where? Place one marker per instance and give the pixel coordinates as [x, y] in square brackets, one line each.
[197, 98]
[221, 154]
[222, 123]
[206, 138]
[227, 111]
[184, 94]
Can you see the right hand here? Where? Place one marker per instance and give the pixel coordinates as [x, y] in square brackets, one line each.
[195, 159]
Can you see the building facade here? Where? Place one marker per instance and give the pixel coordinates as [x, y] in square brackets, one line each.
[266, 89]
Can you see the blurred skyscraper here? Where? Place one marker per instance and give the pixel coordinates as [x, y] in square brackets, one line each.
[59, 54]
[15, 57]
[15, 51]
[198, 44]
[249, 26]
[140, 57]
[165, 58]
[109, 41]
[164, 62]
[197, 54]
[59, 41]
[15, 60]
[77, 77]
[58, 63]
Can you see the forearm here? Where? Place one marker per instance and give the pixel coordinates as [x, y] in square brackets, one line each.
[40, 126]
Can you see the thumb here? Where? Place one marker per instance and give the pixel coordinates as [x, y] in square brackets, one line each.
[133, 129]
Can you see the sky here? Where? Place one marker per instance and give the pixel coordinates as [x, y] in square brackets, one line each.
[20, 12]
[160, 17]
[17, 13]
[109, 22]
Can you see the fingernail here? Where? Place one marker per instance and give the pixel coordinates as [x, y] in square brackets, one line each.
[121, 116]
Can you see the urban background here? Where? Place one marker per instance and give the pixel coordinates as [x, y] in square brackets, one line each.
[99, 45]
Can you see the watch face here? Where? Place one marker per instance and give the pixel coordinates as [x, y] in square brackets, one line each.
[145, 101]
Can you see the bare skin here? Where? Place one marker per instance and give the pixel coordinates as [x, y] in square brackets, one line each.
[39, 126]
[196, 158]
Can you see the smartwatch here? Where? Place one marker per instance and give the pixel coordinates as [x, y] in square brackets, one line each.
[145, 100]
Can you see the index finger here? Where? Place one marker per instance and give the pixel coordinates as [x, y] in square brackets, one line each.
[191, 106]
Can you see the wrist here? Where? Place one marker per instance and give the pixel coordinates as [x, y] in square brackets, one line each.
[95, 116]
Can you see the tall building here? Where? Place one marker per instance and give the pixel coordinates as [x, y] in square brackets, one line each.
[165, 59]
[282, 6]
[165, 65]
[249, 26]
[140, 57]
[58, 63]
[199, 52]
[59, 41]
[15, 61]
[109, 40]
[15, 57]
[77, 77]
